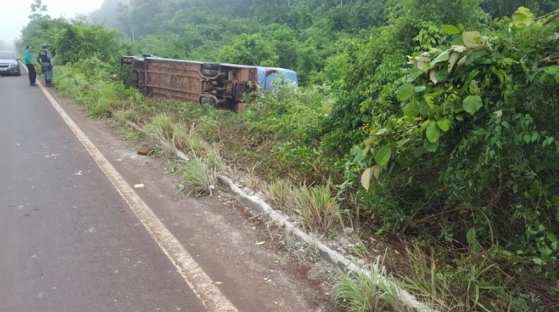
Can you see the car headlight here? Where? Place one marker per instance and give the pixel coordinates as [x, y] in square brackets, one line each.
[12, 66]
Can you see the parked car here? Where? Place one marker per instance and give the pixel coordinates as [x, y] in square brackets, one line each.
[9, 64]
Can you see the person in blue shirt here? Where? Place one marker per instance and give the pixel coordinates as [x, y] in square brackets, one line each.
[45, 59]
[28, 61]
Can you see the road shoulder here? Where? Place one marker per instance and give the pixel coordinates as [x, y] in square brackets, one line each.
[246, 258]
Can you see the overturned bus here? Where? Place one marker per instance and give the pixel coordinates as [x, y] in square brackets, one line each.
[220, 85]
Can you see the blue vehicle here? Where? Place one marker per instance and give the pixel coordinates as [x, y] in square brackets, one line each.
[268, 76]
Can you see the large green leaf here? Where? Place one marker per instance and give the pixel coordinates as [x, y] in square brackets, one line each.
[431, 147]
[472, 39]
[443, 57]
[406, 92]
[451, 29]
[411, 110]
[472, 104]
[383, 155]
[432, 132]
[522, 17]
[553, 71]
[444, 124]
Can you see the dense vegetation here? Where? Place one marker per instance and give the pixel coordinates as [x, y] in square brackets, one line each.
[434, 120]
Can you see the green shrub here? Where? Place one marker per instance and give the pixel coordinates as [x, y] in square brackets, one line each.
[465, 142]
[72, 42]
[292, 119]
[90, 82]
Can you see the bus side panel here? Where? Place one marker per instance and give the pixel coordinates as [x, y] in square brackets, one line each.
[173, 79]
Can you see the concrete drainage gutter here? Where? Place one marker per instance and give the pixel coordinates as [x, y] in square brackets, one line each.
[259, 207]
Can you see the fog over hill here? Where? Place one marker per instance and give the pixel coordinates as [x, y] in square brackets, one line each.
[111, 14]
[15, 14]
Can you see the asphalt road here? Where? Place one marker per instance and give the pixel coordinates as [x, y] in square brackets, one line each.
[67, 240]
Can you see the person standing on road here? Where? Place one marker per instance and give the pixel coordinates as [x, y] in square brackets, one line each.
[28, 61]
[45, 59]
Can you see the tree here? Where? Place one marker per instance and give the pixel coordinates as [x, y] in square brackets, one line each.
[38, 9]
[499, 8]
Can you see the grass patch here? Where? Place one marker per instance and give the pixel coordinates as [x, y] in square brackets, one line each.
[370, 291]
[474, 282]
[317, 208]
[215, 161]
[124, 116]
[101, 108]
[181, 136]
[161, 126]
[198, 178]
[191, 142]
[282, 195]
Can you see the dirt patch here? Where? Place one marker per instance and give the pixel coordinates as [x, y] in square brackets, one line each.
[256, 267]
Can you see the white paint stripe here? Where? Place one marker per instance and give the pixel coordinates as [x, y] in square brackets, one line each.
[24, 67]
[195, 277]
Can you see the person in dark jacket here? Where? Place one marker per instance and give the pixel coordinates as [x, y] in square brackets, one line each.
[45, 59]
[28, 61]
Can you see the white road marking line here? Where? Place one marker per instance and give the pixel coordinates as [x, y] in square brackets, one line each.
[25, 67]
[201, 284]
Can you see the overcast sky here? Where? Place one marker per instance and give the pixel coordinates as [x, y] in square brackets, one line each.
[14, 13]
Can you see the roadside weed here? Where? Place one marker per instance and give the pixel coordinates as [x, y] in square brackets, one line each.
[370, 291]
[197, 177]
[427, 280]
[124, 116]
[215, 161]
[281, 193]
[474, 283]
[100, 108]
[181, 136]
[196, 144]
[317, 208]
[191, 142]
[161, 126]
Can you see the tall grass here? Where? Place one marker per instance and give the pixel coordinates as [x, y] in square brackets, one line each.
[101, 108]
[192, 142]
[474, 283]
[198, 178]
[371, 291]
[161, 127]
[317, 208]
[282, 195]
